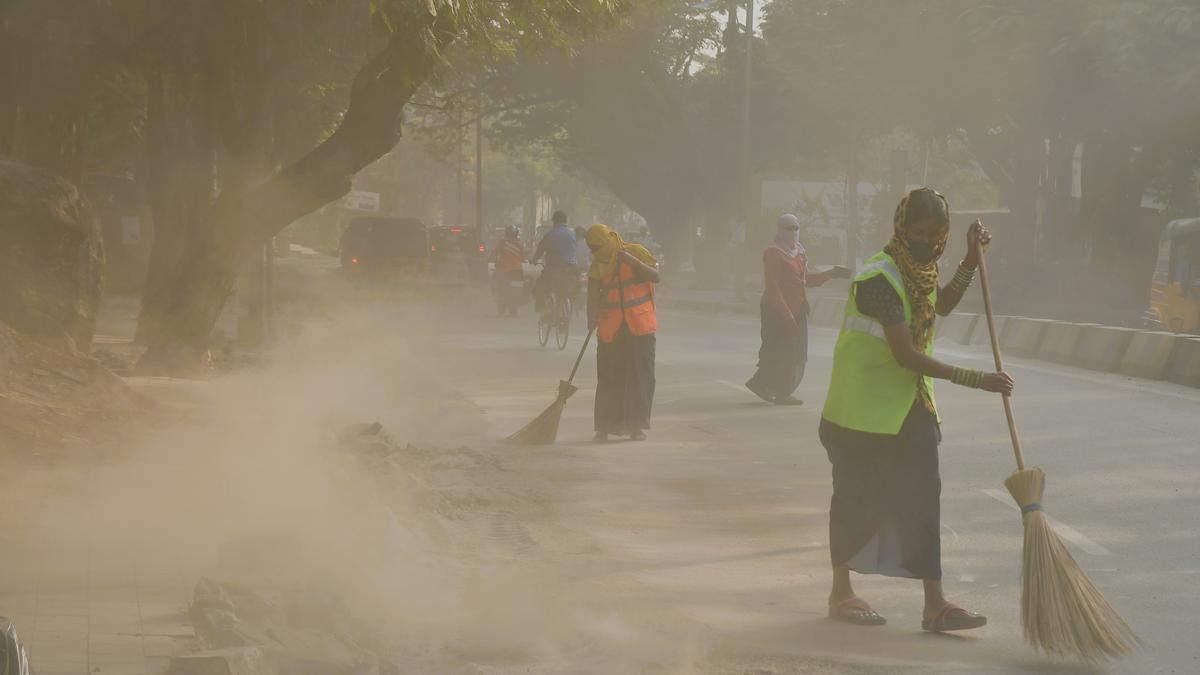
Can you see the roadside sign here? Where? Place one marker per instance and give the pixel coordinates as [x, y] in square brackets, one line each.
[359, 200]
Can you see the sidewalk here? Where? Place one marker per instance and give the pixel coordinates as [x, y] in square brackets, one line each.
[79, 610]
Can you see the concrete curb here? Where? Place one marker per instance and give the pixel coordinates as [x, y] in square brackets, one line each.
[1145, 354]
[980, 335]
[1102, 347]
[1149, 354]
[1185, 364]
[1022, 336]
[1060, 340]
[957, 327]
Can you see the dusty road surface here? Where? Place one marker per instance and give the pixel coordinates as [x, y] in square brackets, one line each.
[721, 515]
[700, 550]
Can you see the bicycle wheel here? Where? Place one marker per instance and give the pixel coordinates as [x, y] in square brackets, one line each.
[546, 322]
[562, 327]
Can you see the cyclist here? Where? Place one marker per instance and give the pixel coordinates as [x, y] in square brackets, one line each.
[508, 256]
[560, 275]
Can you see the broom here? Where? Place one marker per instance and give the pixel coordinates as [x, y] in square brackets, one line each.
[544, 428]
[1062, 612]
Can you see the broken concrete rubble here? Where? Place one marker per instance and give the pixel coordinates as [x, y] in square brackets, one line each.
[249, 632]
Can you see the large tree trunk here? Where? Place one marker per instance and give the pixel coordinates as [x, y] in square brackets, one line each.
[241, 221]
[181, 181]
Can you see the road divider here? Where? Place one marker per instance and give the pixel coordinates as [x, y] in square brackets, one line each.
[1149, 354]
[1145, 354]
[1102, 347]
[1022, 336]
[1185, 364]
[981, 336]
[1060, 340]
[958, 327]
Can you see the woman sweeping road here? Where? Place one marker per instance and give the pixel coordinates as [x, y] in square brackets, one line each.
[880, 425]
[621, 310]
[784, 311]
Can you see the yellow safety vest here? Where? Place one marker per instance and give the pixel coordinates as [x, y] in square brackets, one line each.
[869, 390]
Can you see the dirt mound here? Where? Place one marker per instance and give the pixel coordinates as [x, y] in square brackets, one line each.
[51, 400]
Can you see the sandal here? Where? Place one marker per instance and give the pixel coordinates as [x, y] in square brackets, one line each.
[952, 617]
[855, 610]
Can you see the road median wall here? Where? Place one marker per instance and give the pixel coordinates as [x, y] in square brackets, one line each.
[1149, 354]
[1103, 347]
[1185, 364]
[1060, 341]
[1022, 336]
[1145, 354]
[957, 327]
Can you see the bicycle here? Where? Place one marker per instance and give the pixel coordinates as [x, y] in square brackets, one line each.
[555, 316]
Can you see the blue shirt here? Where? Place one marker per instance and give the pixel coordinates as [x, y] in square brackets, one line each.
[583, 254]
[558, 245]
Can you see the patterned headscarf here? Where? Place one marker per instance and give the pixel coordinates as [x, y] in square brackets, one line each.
[919, 279]
[605, 245]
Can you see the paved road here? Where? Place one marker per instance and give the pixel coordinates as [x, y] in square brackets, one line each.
[721, 515]
[703, 549]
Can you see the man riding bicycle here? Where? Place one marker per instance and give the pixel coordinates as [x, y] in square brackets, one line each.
[561, 273]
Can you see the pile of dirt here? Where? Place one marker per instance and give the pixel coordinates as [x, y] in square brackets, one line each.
[51, 400]
[244, 630]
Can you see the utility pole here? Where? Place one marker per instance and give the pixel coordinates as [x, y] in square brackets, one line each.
[745, 158]
[479, 164]
[460, 217]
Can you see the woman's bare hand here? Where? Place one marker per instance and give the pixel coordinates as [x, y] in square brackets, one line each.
[998, 383]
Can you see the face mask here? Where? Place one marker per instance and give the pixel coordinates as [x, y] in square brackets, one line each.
[922, 252]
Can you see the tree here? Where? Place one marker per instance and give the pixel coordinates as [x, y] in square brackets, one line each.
[417, 35]
[627, 109]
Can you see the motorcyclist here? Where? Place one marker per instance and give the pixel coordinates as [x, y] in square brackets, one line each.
[509, 257]
[557, 248]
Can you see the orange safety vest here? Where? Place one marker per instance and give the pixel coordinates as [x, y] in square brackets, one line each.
[637, 301]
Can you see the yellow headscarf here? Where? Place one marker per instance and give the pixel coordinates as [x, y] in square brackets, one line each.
[605, 245]
[919, 280]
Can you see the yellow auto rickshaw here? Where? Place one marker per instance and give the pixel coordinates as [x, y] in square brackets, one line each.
[1175, 295]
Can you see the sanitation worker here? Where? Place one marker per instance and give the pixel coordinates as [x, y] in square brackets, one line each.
[621, 310]
[880, 426]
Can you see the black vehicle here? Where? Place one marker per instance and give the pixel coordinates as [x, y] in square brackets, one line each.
[381, 246]
[457, 254]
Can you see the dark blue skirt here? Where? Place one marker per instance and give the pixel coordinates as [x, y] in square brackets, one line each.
[885, 515]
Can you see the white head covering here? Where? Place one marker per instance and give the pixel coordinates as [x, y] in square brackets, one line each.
[786, 240]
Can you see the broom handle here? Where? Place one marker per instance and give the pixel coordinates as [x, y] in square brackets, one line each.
[579, 359]
[1008, 409]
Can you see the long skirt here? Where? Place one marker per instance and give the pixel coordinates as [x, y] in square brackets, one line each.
[885, 515]
[625, 383]
[784, 353]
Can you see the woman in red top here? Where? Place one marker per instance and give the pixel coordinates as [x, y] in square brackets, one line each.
[784, 351]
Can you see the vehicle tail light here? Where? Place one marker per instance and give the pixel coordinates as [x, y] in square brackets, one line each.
[433, 248]
[354, 260]
[456, 230]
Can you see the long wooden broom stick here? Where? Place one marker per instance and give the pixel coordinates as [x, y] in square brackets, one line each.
[1062, 612]
[1008, 407]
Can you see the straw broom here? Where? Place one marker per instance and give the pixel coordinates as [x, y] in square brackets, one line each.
[544, 428]
[1062, 612]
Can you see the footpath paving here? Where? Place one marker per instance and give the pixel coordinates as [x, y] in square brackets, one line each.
[80, 608]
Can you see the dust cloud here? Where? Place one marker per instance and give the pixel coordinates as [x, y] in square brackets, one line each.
[250, 480]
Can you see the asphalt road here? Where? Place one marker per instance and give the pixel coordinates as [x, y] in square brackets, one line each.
[721, 515]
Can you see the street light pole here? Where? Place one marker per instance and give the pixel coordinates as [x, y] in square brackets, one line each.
[479, 164]
[745, 168]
